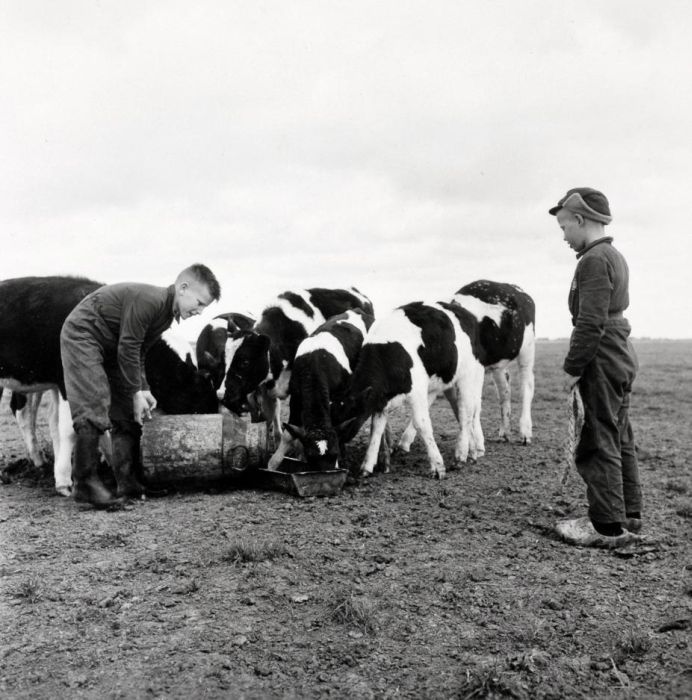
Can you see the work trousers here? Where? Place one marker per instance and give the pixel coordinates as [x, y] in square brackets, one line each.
[605, 455]
[93, 382]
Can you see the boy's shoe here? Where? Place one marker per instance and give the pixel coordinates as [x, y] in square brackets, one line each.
[581, 532]
[633, 525]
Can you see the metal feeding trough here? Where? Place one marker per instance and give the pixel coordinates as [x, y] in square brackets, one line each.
[296, 478]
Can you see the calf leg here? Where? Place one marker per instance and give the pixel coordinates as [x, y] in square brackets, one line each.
[409, 434]
[25, 408]
[377, 428]
[504, 394]
[526, 359]
[477, 441]
[286, 443]
[62, 432]
[271, 409]
[421, 420]
[470, 438]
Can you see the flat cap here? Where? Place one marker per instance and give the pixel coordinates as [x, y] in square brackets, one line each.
[590, 203]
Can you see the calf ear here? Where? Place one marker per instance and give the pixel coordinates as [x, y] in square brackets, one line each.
[347, 425]
[348, 430]
[296, 432]
[237, 322]
[265, 342]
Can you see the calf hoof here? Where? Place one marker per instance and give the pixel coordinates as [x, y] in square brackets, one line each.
[365, 474]
[526, 441]
[438, 474]
[65, 491]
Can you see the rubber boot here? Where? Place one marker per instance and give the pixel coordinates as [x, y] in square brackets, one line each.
[125, 454]
[87, 487]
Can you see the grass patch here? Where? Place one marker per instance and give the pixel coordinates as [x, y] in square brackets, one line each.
[28, 590]
[634, 645]
[352, 611]
[244, 552]
[488, 682]
[684, 509]
[676, 486]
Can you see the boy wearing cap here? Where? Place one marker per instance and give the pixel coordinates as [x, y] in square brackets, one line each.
[601, 360]
[102, 344]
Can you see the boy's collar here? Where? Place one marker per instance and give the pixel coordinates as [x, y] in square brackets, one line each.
[605, 239]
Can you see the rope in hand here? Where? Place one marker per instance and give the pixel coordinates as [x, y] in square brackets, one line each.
[575, 412]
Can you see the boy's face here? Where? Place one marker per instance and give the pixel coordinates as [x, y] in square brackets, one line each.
[191, 299]
[572, 228]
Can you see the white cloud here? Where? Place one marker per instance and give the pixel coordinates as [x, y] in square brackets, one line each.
[404, 147]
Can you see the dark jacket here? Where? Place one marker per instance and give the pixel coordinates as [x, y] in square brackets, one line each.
[598, 296]
[126, 319]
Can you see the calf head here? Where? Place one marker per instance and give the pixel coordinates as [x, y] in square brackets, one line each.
[203, 397]
[211, 352]
[320, 446]
[249, 368]
[194, 391]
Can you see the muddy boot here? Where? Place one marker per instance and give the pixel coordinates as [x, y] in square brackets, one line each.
[125, 459]
[87, 487]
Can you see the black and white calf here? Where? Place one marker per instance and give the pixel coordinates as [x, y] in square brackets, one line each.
[32, 312]
[415, 353]
[507, 319]
[174, 379]
[258, 358]
[321, 374]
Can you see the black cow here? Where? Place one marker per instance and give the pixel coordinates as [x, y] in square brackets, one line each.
[258, 357]
[32, 312]
[412, 355]
[321, 374]
[507, 318]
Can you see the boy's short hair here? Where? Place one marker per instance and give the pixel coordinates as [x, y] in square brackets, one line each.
[204, 276]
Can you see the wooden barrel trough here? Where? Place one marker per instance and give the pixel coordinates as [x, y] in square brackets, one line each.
[198, 451]
[217, 450]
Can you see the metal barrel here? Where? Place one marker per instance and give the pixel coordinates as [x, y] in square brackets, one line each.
[197, 451]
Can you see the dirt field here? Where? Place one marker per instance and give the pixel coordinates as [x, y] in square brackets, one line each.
[399, 587]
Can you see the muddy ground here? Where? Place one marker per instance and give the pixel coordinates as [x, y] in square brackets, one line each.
[400, 586]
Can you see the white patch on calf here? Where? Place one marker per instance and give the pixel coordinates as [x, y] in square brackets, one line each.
[396, 328]
[321, 447]
[480, 308]
[232, 345]
[298, 315]
[182, 347]
[15, 385]
[280, 390]
[355, 320]
[364, 300]
[327, 342]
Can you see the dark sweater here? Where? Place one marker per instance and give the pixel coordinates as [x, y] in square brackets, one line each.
[598, 295]
[127, 319]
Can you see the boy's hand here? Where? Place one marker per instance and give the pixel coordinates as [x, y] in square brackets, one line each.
[568, 381]
[142, 403]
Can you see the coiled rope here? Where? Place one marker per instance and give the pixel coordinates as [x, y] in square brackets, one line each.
[575, 421]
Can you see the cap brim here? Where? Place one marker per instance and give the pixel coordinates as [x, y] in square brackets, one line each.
[555, 210]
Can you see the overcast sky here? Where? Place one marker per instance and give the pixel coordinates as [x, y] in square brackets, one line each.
[403, 147]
